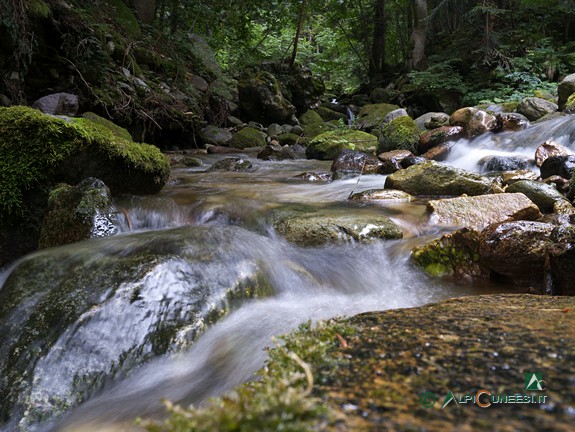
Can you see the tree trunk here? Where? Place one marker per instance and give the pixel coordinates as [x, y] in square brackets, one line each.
[298, 32]
[419, 35]
[377, 61]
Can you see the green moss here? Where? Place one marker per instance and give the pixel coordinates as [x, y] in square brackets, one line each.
[570, 104]
[291, 139]
[248, 137]
[509, 106]
[328, 114]
[312, 124]
[371, 116]
[328, 145]
[125, 18]
[33, 146]
[116, 130]
[401, 133]
[38, 8]
[281, 400]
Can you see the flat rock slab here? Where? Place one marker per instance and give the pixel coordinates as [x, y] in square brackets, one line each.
[477, 212]
[395, 362]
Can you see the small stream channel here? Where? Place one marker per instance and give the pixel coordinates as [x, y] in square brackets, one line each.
[181, 303]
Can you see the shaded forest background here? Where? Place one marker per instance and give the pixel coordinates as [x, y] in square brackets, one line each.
[436, 53]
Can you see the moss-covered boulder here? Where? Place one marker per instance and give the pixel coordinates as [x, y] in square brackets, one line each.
[113, 127]
[432, 178]
[309, 228]
[327, 114]
[401, 133]
[248, 137]
[534, 108]
[100, 309]
[78, 212]
[565, 89]
[329, 145]
[371, 116]
[312, 124]
[38, 151]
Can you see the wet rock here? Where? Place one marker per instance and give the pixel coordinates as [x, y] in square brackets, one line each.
[562, 166]
[543, 195]
[329, 145]
[432, 178]
[381, 195]
[274, 130]
[213, 149]
[313, 176]
[100, 317]
[474, 121]
[437, 136]
[77, 213]
[215, 135]
[290, 139]
[504, 163]
[510, 177]
[432, 120]
[248, 137]
[547, 149]
[261, 98]
[311, 229]
[412, 160]
[438, 153]
[396, 113]
[391, 161]
[511, 122]
[560, 183]
[276, 153]
[371, 116]
[400, 133]
[516, 251]
[565, 89]
[236, 164]
[351, 163]
[58, 104]
[477, 212]
[455, 254]
[476, 336]
[534, 108]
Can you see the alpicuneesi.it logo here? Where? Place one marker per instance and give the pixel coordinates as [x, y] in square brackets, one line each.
[483, 398]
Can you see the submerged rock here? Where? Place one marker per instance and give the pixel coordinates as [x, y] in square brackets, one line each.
[313, 176]
[381, 195]
[477, 212]
[432, 178]
[74, 317]
[236, 164]
[351, 163]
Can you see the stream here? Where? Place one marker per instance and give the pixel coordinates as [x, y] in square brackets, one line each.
[182, 302]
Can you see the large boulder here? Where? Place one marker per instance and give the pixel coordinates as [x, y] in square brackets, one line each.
[437, 136]
[432, 120]
[561, 261]
[432, 178]
[401, 133]
[312, 124]
[565, 89]
[328, 145]
[261, 98]
[473, 121]
[549, 148]
[477, 212]
[391, 160]
[98, 310]
[534, 108]
[312, 228]
[38, 151]
[543, 195]
[516, 251]
[215, 135]
[78, 212]
[562, 166]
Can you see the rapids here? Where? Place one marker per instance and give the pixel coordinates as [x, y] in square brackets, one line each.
[204, 231]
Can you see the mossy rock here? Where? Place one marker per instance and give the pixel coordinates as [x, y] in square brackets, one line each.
[248, 137]
[312, 124]
[329, 145]
[78, 212]
[125, 18]
[114, 128]
[292, 139]
[371, 116]
[37, 151]
[570, 104]
[401, 133]
[328, 114]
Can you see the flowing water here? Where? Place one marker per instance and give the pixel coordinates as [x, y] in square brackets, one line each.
[199, 262]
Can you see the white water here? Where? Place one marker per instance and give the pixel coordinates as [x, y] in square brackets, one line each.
[309, 284]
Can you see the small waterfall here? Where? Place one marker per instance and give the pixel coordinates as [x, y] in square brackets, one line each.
[350, 116]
